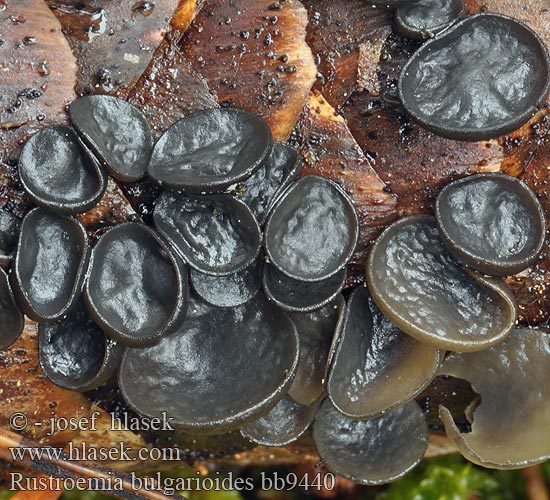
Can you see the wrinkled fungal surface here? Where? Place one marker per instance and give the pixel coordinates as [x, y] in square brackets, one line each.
[301, 296]
[373, 451]
[215, 234]
[75, 353]
[136, 290]
[223, 367]
[377, 367]
[426, 292]
[57, 173]
[9, 234]
[492, 222]
[50, 264]
[116, 132]
[484, 77]
[318, 332]
[422, 19]
[312, 230]
[510, 424]
[11, 319]
[210, 150]
[280, 168]
[228, 291]
[283, 425]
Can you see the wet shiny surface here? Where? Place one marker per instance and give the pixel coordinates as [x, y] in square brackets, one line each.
[9, 233]
[424, 18]
[11, 319]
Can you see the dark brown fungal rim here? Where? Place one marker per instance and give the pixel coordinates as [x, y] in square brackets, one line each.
[494, 285]
[21, 295]
[293, 191]
[403, 27]
[9, 234]
[214, 182]
[64, 207]
[12, 319]
[181, 293]
[485, 133]
[494, 267]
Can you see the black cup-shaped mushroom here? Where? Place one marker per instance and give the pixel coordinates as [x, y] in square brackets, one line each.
[210, 150]
[136, 290]
[284, 424]
[492, 222]
[11, 319]
[374, 451]
[222, 368]
[421, 19]
[428, 294]
[312, 230]
[301, 296]
[484, 77]
[215, 234]
[377, 367]
[50, 264]
[510, 426]
[9, 234]
[116, 132]
[58, 174]
[318, 331]
[262, 189]
[75, 354]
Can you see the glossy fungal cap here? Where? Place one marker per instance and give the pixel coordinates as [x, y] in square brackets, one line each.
[492, 222]
[262, 189]
[312, 230]
[75, 354]
[117, 133]
[301, 296]
[11, 319]
[215, 234]
[426, 292]
[228, 291]
[136, 290]
[484, 77]
[284, 424]
[510, 426]
[222, 368]
[57, 173]
[210, 150]
[318, 332]
[9, 234]
[422, 19]
[377, 367]
[374, 451]
[50, 264]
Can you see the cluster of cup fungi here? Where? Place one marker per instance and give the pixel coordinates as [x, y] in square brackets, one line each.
[228, 314]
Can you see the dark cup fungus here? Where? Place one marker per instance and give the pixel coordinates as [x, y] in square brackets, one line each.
[75, 354]
[510, 425]
[492, 222]
[50, 264]
[222, 368]
[301, 296]
[374, 451]
[312, 230]
[58, 174]
[210, 150]
[136, 290]
[426, 293]
[284, 424]
[421, 19]
[228, 291]
[116, 132]
[377, 367]
[484, 77]
[11, 319]
[9, 234]
[215, 234]
[318, 331]
[263, 188]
